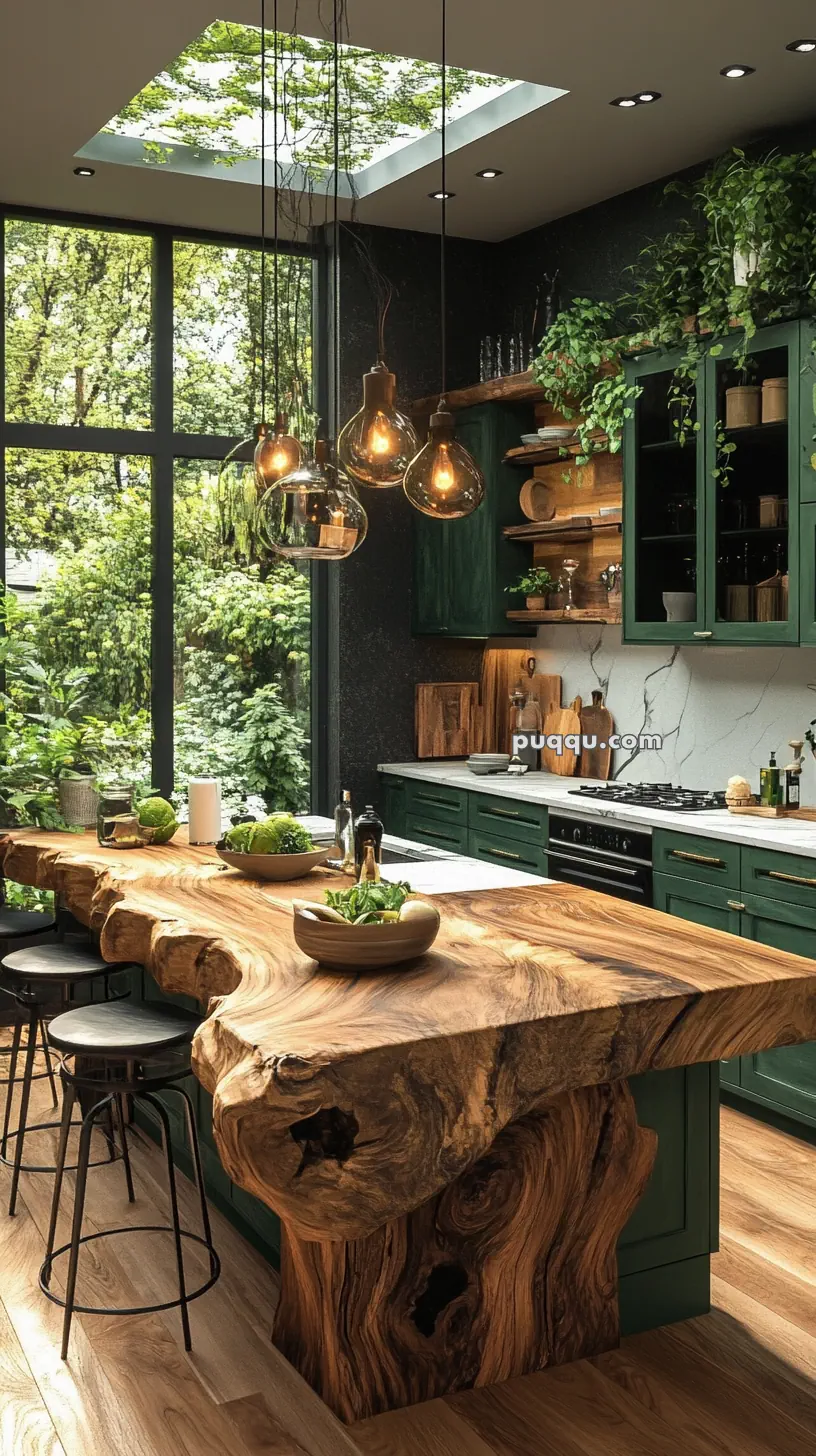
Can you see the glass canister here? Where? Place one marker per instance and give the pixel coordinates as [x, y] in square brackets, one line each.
[115, 815]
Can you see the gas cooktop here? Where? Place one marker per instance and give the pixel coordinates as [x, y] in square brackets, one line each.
[655, 796]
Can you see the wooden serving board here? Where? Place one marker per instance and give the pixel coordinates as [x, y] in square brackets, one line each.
[562, 721]
[502, 669]
[596, 721]
[771, 811]
[443, 719]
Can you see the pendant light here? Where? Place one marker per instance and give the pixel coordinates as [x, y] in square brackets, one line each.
[443, 479]
[313, 513]
[277, 453]
[378, 443]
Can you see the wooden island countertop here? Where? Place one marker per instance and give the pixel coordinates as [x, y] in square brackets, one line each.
[452, 1147]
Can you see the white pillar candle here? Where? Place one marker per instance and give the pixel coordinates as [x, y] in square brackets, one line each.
[204, 797]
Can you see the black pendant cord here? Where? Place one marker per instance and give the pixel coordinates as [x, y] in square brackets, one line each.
[275, 282]
[263, 210]
[443, 230]
[336, 301]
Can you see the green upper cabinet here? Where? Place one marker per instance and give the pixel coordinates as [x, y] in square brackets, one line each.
[461, 568]
[712, 527]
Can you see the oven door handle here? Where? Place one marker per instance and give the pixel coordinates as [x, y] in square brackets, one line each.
[610, 871]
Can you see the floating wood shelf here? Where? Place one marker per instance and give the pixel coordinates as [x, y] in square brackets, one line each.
[579, 614]
[507, 387]
[575, 528]
[547, 453]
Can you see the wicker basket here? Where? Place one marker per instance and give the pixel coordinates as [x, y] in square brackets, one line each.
[743, 405]
[78, 801]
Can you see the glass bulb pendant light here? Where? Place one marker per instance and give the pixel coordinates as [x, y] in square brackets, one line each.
[313, 514]
[378, 443]
[277, 453]
[443, 479]
[237, 499]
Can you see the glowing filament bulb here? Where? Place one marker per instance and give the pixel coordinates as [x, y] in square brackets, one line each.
[380, 438]
[443, 474]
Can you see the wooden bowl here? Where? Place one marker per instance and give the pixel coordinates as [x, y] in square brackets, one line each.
[277, 866]
[365, 947]
[537, 500]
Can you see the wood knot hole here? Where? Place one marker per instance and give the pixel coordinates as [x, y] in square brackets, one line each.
[329, 1133]
[445, 1283]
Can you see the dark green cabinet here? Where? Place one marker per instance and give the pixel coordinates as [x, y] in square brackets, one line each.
[461, 568]
[714, 518]
[393, 804]
[782, 916]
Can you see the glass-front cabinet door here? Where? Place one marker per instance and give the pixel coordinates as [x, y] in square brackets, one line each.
[664, 505]
[752, 409]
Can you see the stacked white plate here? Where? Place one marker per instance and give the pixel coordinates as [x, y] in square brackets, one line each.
[556, 432]
[488, 763]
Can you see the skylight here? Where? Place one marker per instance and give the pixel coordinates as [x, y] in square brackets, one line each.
[203, 113]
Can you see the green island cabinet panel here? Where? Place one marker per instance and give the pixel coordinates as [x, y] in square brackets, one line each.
[691, 509]
[704, 904]
[461, 568]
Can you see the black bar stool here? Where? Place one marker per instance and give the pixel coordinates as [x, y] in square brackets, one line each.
[30, 977]
[138, 1049]
[26, 925]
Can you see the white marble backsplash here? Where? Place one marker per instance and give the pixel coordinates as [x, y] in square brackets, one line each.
[719, 710]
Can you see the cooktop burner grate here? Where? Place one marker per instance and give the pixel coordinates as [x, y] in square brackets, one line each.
[654, 796]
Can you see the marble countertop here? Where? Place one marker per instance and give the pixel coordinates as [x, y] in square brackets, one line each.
[790, 835]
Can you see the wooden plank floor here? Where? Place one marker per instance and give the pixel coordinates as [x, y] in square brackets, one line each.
[742, 1379]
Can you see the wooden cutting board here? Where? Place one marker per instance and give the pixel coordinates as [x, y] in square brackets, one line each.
[502, 669]
[443, 719]
[562, 721]
[545, 686]
[597, 722]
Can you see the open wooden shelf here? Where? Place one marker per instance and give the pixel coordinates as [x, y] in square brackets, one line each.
[548, 453]
[507, 387]
[579, 614]
[576, 528]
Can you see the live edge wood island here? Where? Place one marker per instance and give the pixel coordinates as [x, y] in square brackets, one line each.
[453, 1149]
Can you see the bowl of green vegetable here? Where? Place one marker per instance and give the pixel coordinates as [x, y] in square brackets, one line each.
[277, 848]
[366, 927]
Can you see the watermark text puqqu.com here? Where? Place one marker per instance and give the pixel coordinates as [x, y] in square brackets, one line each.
[577, 742]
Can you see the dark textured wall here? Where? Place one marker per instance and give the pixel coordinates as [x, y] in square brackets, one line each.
[379, 660]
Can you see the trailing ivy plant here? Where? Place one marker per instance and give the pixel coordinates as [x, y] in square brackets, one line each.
[580, 369]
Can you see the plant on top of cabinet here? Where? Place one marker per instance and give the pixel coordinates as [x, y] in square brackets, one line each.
[579, 368]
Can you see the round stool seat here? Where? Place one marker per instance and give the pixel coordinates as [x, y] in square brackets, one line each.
[128, 1028]
[58, 961]
[24, 922]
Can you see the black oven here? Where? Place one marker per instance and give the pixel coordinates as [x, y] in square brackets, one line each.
[601, 856]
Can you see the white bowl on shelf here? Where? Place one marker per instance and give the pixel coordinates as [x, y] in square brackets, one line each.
[556, 432]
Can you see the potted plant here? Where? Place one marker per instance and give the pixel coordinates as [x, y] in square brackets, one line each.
[536, 584]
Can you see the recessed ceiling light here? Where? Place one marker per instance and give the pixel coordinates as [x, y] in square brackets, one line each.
[84, 171]
[488, 172]
[735, 72]
[623, 101]
[441, 196]
[803, 46]
[644, 96]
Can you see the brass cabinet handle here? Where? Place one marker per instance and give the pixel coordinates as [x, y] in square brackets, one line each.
[504, 813]
[502, 853]
[704, 859]
[735, 904]
[702, 634]
[789, 879]
[435, 832]
[430, 799]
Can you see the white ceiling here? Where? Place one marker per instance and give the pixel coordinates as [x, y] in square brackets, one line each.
[67, 68]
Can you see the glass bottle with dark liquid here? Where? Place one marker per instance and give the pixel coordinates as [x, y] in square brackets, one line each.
[368, 833]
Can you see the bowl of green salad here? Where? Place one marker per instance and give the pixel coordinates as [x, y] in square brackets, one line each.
[366, 927]
[277, 848]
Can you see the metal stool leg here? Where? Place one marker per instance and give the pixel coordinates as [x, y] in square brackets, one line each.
[48, 1064]
[19, 1141]
[15, 1050]
[192, 1132]
[79, 1209]
[68, 1100]
[120, 1113]
[171, 1183]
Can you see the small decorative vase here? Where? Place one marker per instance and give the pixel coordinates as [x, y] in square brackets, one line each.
[78, 801]
[536, 604]
[747, 262]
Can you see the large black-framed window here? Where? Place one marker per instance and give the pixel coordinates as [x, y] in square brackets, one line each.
[166, 451]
